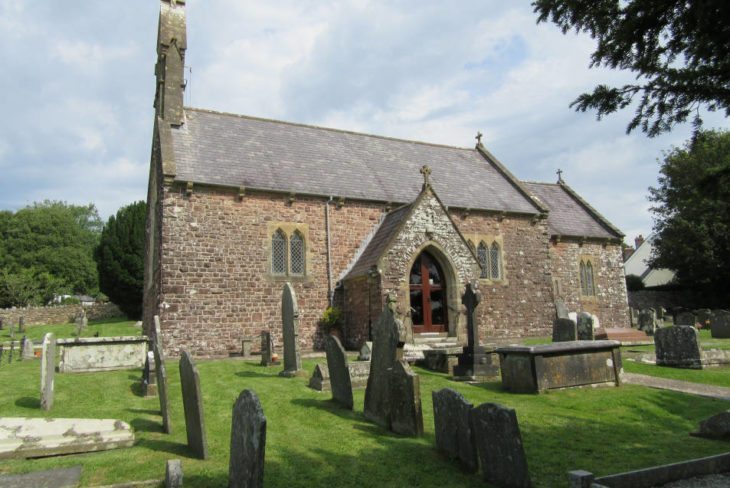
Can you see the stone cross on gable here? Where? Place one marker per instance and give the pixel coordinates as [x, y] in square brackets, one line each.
[471, 299]
[560, 175]
[479, 137]
[426, 172]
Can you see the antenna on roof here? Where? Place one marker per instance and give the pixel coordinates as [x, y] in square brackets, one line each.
[560, 175]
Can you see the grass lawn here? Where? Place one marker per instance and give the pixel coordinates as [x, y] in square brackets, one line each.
[717, 376]
[106, 328]
[311, 442]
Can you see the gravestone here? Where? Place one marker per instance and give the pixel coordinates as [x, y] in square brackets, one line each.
[474, 362]
[561, 311]
[647, 321]
[248, 442]
[48, 370]
[12, 350]
[564, 330]
[173, 474]
[161, 376]
[11, 331]
[21, 324]
[339, 372]
[406, 415]
[149, 376]
[720, 324]
[499, 446]
[193, 406]
[320, 379]
[385, 343]
[634, 315]
[267, 349]
[454, 435]
[27, 350]
[246, 347]
[290, 326]
[704, 318]
[715, 427]
[584, 327]
[686, 318]
[365, 351]
[678, 346]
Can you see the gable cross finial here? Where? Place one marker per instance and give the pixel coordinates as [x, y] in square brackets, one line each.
[560, 175]
[479, 137]
[426, 172]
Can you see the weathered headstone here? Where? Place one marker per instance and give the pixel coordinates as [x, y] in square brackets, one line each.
[267, 349]
[647, 320]
[193, 406]
[377, 393]
[406, 414]
[248, 442]
[561, 311]
[584, 327]
[720, 324]
[48, 370]
[149, 376]
[454, 434]
[686, 318]
[715, 427]
[704, 318]
[499, 446]
[339, 372]
[161, 373]
[564, 330]
[290, 327]
[473, 361]
[173, 474]
[21, 324]
[678, 346]
[320, 379]
[365, 351]
[246, 347]
[28, 352]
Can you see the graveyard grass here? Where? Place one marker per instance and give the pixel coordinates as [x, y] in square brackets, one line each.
[313, 442]
[105, 328]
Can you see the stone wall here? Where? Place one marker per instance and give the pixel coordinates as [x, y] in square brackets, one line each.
[610, 302]
[58, 314]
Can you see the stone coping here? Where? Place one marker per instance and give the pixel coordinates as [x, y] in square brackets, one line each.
[558, 347]
[100, 340]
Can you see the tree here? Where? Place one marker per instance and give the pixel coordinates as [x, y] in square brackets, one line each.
[120, 258]
[678, 50]
[692, 215]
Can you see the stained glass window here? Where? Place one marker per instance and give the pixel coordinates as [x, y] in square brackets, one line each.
[278, 252]
[296, 251]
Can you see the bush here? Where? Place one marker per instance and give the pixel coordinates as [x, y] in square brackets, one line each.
[634, 283]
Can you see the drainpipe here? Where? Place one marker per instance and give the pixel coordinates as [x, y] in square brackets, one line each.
[330, 292]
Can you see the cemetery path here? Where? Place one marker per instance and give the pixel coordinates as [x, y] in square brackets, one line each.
[718, 392]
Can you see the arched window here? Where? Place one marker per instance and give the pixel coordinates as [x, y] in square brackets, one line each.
[495, 267]
[586, 278]
[483, 256]
[278, 253]
[296, 252]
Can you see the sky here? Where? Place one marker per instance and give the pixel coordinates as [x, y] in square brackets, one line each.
[77, 88]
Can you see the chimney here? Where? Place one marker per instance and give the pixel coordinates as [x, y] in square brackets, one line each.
[638, 241]
[169, 70]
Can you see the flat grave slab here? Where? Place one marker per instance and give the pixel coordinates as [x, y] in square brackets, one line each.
[22, 437]
[536, 369]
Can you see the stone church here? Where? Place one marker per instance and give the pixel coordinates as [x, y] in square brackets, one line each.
[239, 205]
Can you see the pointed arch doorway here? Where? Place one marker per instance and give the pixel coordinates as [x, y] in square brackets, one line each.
[428, 295]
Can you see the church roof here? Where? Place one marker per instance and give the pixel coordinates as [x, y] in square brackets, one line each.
[570, 215]
[231, 150]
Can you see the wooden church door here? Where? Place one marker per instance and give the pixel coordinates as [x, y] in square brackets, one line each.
[428, 295]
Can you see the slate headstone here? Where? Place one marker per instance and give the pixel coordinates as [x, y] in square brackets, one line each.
[584, 327]
[48, 370]
[720, 324]
[28, 351]
[406, 414]
[564, 330]
[678, 346]
[686, 318]
[339, 372]
[454, 435]
[173, 474]
[290, 327]
[715, 427]
[161, 373]
[248, 442]
[385, 343]
[193, 406]
[499, 446]
[561, 311]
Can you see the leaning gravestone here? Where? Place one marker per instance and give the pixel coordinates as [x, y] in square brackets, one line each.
[454, 434]
[48, 370]
[406, 415]
[584, 327]
[499, 446]
[27, 350]
[161, 373]
[339, 372]
[721, 324]
[193, 406]
[385, 343]
[686, 318]
[248, 442]
[290, 326]
[564, 330]
[678, 346]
